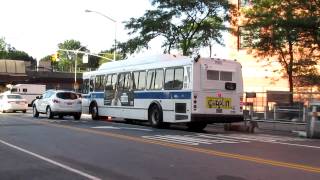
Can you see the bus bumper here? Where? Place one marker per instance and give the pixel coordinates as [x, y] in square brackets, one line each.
[216, 118]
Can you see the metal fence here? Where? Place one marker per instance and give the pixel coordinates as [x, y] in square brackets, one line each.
[262, 106]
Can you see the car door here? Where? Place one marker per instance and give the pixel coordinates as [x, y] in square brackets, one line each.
[41, 102]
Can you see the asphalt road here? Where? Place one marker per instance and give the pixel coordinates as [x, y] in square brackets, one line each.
[38, 148]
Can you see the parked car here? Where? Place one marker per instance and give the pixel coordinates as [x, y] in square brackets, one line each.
[12, 102]
[57, 103]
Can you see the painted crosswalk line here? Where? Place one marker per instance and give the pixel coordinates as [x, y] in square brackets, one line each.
[207, 139]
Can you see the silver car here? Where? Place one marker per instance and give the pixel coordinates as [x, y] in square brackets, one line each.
[12, 102]
[58, 103]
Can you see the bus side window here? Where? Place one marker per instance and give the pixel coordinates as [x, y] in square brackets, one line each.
[127, 81]
[109, 82]
[85, 86]
[135, 80]
[91, 84]
[150, 79]
[121, 79]
[158, 84]
[142, 80]
[169, 79]
[178, 78]
[114, 81]
[174, 78]
[99, 83]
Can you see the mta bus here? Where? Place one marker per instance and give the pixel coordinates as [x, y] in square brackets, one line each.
[166, 89]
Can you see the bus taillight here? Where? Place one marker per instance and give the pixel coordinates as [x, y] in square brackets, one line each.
[195, 102]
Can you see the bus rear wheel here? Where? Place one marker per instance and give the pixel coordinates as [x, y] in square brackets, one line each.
[196, 126]
[94, 112]
[156, 117]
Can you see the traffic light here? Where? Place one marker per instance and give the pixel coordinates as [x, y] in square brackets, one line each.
[55, 57]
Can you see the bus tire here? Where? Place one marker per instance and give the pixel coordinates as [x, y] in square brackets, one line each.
[155, 117]
[94, 111]
[196, 126]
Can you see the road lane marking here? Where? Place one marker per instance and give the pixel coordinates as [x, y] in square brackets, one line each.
[81, 173]
[188, 148]
[119, 128]
[189, 139]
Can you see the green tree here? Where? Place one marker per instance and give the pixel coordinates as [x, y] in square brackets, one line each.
[9, 52]
[67, 59]
[274, 28]
[109, 56]
[3, 44]
[183, 25]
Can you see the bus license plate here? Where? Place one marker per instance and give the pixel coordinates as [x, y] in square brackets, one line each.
[219, 103]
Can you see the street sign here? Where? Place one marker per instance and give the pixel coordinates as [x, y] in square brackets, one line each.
[85, 58]
[279, 96]
[250, 95]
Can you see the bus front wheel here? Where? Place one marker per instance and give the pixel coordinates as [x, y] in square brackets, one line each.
[94, 112]
[155, 117]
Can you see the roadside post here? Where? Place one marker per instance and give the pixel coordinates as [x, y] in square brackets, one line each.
[313, 124]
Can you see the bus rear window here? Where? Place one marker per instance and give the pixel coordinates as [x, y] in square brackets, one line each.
[219, 75]
[212, 75]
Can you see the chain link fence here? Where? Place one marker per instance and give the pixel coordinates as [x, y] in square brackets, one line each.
[274, 106]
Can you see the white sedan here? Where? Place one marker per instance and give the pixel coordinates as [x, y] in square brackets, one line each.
[58, 103]
[12, 103]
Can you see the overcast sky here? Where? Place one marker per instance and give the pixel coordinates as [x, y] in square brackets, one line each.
[37, 26]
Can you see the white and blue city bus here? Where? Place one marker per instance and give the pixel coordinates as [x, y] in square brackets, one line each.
[166, 89]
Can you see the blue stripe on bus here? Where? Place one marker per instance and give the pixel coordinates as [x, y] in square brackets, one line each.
[94, 95]
[147, 95]
[162, 95]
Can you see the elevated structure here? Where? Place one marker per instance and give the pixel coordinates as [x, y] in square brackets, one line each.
[15, 72]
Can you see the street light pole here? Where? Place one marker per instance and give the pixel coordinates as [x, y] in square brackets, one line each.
[115, 29]
[75, 68]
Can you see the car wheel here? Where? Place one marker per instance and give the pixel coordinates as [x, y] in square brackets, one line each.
[4, 111]
[35, 112]
[77, 116]
[60, 116]
[49, 113]
[94, 112]
[156, 117]
[24, 111]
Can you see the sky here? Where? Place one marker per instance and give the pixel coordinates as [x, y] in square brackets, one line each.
[37, 26]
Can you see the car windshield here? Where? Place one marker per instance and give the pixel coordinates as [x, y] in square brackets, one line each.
[66, 95]
[14, 97]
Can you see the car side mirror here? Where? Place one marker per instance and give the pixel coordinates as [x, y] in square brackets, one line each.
[38, 97]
